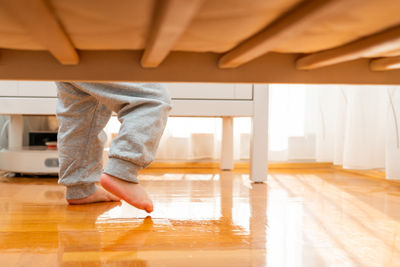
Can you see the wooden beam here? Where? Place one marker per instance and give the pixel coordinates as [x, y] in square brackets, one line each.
[123, 66]
[377, 44]
[38, 19]
[283, 29]
[171, 19]
[387, 63]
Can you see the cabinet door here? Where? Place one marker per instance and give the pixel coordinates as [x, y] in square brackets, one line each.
[210, 91]
[8, 88]
[243, 91]
[37, 89]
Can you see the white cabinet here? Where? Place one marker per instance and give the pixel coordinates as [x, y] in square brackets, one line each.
[188, 99]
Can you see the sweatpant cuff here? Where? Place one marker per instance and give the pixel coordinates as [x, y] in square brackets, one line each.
[123, 170]
[80, 191]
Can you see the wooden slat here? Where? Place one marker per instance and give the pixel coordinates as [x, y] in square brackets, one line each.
[283, 29]
[377, 44]
[171, 19]
[382, 64]
[38, 19]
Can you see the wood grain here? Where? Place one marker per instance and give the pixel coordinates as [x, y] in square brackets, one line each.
[317, 218]
[171, 19]
[376, 44]
[38, 19]
[382, 64]
[283, 29]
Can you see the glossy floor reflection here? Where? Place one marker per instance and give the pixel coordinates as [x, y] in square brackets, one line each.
[306, 219]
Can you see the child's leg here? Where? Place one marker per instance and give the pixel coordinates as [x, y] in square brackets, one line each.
[143, 110]
[81, 119]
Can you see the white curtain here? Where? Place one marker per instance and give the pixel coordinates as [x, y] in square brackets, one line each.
[353, 126]
[190, 139]
[392, 149]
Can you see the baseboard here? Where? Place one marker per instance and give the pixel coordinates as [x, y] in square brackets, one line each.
[239, 165]
[244, 167]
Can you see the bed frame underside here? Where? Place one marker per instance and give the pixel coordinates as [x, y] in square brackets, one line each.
[251, 61]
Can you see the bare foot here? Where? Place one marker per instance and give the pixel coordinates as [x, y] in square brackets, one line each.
[132, 193]
[100, 195]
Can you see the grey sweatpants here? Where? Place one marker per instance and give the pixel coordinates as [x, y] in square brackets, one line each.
[84, 109]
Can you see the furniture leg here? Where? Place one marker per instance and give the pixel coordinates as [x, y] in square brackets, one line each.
[259, 137]
[15, 131]
[227, 144]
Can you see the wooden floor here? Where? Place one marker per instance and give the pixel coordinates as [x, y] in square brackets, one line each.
[299, 218]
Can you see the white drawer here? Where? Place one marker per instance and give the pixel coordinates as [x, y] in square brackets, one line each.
[27, 89]
[8, 88]
[37, 89]
[210, 91]
[177, 90]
